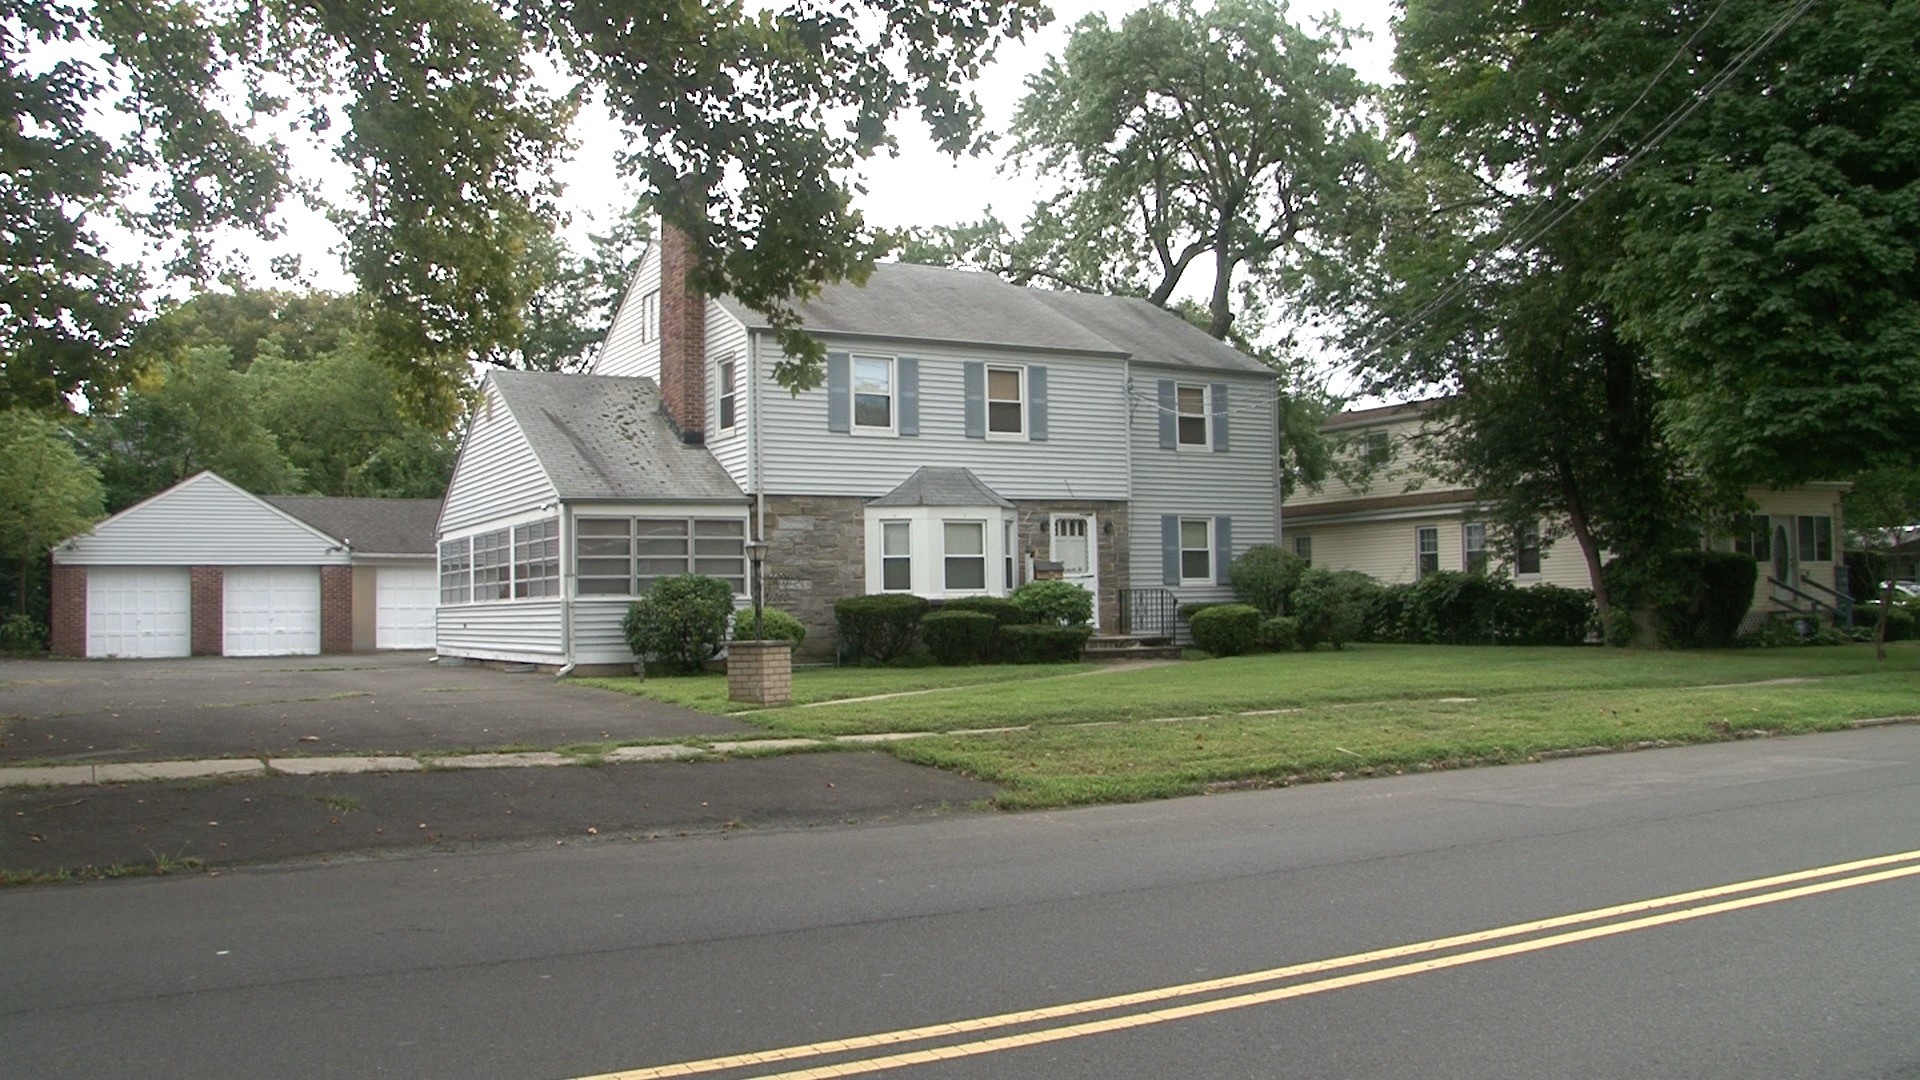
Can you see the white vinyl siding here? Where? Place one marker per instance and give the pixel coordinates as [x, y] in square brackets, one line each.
[497, 474]
[139, 611]
[271, 611]
[404, 603]
[205, 521]
[524, 632]
[727, 340]
[632, 346]
[1085, 451]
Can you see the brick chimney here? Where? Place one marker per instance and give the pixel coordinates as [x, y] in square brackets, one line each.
[683, 337]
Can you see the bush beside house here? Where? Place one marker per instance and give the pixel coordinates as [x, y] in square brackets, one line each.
[680, 623]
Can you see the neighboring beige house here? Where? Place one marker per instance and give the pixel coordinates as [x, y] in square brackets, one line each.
[1401, 523]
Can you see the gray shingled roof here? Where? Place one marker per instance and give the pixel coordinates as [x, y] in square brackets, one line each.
[937, 485]
[369, 526]
[604, 437]
[934, 303]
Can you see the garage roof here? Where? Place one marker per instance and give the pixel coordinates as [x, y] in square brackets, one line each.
[368, 526]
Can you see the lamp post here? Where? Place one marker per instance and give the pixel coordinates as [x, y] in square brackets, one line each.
[756, 559]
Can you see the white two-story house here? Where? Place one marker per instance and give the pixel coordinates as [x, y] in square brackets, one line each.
[966, 429]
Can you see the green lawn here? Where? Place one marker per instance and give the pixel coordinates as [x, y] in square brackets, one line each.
[708, 693]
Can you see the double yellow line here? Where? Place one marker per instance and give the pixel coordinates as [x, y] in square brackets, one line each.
[1638, 915]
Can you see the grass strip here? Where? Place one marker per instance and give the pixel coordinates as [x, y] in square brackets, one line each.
[708, 692]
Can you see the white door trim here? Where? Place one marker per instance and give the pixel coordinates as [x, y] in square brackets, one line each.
[1090, 580]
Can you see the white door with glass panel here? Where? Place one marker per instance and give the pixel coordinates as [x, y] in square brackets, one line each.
[1076, 548]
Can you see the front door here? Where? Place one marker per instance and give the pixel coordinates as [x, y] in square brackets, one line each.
[1786, 564]
[1076, 548]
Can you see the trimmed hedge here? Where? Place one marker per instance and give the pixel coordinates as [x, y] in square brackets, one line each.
[1265, 577]
[1053, 603]
[883, 626]
[1004, 611]
[1029, 644]
[1903, 620]
[680, 623]
[958, 637]
[1280, 634]
[1227, 629]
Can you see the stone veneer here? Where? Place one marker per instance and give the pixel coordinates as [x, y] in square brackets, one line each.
[816, 554]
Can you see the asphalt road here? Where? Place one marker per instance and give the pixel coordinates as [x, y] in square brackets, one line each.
[573, 962]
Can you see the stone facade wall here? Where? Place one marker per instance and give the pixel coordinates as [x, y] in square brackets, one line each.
[336, 609]
[683, 339]
[1111, 550]
[816, 554]
[69, 615]
[207, 610]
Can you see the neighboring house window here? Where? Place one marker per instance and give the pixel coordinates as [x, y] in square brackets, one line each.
[1473, 547]
[1816, 539]
[1378, 450]
[965, 550]
[1526, 549]
[1196, 550]
[493, 565]
[1006, 401]
[727, 396]
[650, 316]
[1426, 546]
[536, 559]
[1303, 549]
[456, 572]
[896, 556]
[872, 393]
[1190, 409]
[1757, 541]
[623, 556]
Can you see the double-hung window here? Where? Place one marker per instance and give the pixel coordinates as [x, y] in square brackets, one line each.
[964, 546]
[1006, 401]
[728, 399]
[873, 409]
[650, 316]
[1377, 449]
[1473, 547]
[1526, 553]
[1196, 550]
[896, 556]
[1303, 549]
[1426, 547]
[1816, 539]
[1190, 415]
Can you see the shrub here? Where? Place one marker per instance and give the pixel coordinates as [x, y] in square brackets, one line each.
[22, 634]
[1903, 620]
[680, 623]
[1188, 611]
[1054, 603]
[776, 625]
[1004, 611]
[883, 626]
[1386, 618]
[1029, 644]
[1697, 598]
[958, 637]
[1227, 629]
[1265, 577]
[1779, 631]
[1332, 607]
[1543, 615]
[1280, 634]
[1452, 608]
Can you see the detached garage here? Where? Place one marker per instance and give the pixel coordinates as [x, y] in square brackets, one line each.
[208, 569]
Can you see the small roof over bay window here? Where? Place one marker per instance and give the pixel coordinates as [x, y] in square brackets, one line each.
[942, 533]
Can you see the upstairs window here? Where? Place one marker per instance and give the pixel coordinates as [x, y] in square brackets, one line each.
[727, 397]
[1006, 401]
[872, 393]
[1473, 547]
[1426, 549]
[650, 316]
[1377, 449]
[1303, 549]
[1190, 407]
[1526, 554]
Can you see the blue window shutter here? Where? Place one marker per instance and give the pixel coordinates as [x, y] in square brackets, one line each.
[909, 395]
[1169, 549]
[1037, 403]
[975, 373]
[1167, 429]
[1218, 405]
[1222, 549]
[839, 392]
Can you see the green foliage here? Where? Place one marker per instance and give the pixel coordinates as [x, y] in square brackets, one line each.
[881, 626]
[21, 634]
[1332, 607]
[1903, 620]
[47, 494]
[1227, 629]
[1280, 634]
[1452, 608]
[1543, 615]
[1028, 644]
[1186, 612]
[680, 623]
[774, 624]
[956, 638]
[1004, 611]
[1054, 603]
[1469, 609]
[1265, 576]
[1697, 599]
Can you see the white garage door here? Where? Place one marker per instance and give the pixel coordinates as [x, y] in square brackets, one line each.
[405, 597]
[139, 611]
[272, 610]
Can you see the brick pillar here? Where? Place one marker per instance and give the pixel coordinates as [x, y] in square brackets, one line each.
[69, 637]
[760, 672]
[336, 609]
[683, 338]
[208, 611]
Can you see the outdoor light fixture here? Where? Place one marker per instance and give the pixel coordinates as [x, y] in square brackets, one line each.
[757, 558]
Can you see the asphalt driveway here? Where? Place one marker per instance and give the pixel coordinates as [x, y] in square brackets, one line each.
[153, 710]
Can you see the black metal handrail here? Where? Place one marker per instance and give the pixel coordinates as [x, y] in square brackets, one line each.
[1148, 612]
[1815, 602]
[1842, 603]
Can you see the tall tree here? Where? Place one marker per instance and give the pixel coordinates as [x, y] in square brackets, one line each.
[1881, 510]
[340, 421]
[1227, 138]
[47, 493]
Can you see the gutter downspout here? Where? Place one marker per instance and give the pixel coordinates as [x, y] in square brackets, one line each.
[567, 571]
